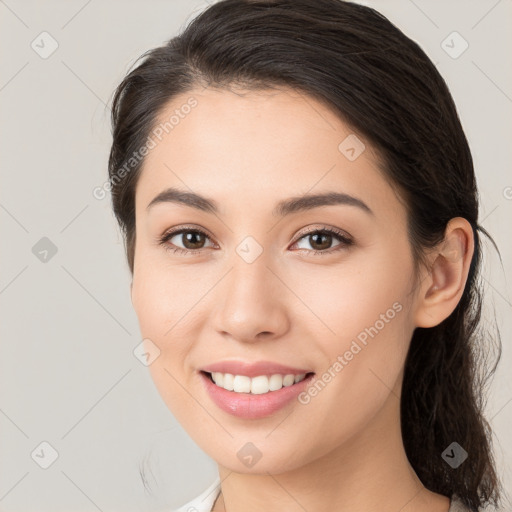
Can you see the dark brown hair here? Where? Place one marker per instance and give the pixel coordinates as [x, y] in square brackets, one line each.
[384, 86]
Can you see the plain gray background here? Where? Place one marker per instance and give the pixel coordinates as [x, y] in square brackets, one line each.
[68, 374]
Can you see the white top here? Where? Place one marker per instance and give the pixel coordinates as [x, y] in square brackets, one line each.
[204, 502]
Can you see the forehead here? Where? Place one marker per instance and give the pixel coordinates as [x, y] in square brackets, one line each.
[257, 146]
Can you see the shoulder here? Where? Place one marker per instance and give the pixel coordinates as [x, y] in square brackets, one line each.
[204, 502]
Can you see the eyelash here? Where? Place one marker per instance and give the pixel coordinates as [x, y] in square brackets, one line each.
[345, 241]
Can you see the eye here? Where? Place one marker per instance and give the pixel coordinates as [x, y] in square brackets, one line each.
[193, 240]
[321, 239]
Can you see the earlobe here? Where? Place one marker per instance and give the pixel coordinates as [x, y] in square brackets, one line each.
[444, 285]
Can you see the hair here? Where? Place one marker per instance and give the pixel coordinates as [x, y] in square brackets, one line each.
[382, 84]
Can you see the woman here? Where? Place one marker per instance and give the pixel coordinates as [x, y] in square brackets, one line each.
[300, 214]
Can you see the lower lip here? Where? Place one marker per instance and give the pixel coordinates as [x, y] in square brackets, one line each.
[249, 406]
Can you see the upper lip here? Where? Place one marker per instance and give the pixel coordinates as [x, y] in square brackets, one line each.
[252, 369]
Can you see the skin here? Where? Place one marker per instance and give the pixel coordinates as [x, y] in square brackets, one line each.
[248, 150]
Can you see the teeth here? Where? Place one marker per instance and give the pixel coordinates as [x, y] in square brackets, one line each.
[242, 384]
[257, 385]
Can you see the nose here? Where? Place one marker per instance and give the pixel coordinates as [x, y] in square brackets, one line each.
[251, 303]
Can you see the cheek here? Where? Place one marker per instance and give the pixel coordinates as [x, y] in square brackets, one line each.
[164, 308]
[366, 308]
[364, 297]
[170, 307]
[162, 294]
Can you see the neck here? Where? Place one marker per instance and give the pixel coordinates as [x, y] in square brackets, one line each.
[369, 472]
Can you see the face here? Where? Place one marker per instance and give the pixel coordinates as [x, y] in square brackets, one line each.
[247, 279]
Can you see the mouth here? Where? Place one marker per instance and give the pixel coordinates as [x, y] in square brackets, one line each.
[256, 389]
[252, 398]
[258, 385]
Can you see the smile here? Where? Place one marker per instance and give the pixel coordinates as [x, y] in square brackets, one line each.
[255, 397]
[258, 385]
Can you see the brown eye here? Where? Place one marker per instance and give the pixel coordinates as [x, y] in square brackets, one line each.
[191, 239]
[321, 241]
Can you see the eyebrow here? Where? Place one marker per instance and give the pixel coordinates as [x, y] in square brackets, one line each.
[283, 208]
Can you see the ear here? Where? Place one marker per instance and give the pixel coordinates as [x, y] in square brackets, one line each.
[441, 289]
